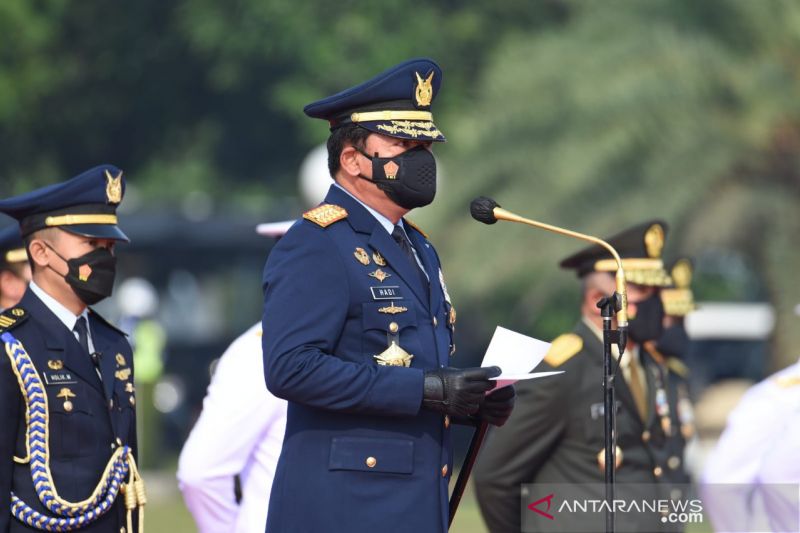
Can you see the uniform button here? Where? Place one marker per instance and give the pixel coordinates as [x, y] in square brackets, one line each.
[446, 421]
[122, 529]
[371, 462]
[119, 441]
[645, 436]
[674, 462]
[393, 327]
[132, 400]
[113, 445]
[110, 404]
[435, 322]
[657, 471]
[444, 471]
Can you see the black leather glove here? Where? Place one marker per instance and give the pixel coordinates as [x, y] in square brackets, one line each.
[498, 406]
[457, 391]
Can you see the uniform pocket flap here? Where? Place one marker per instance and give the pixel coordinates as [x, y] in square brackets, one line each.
[369, 454]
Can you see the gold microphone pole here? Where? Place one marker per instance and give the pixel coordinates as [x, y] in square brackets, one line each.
[488, 211]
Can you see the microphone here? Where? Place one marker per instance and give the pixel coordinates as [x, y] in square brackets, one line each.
[96, 357]
[488, 211]
[482, 210]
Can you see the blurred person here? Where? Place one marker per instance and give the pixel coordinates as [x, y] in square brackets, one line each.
[750, 479]
[67, 395]
[556, 433]
[15, 273]
[138, 304]
[358, 327]
[227, 464]
[670, 351]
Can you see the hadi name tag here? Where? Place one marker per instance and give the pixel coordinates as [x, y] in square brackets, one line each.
[386, 293]
[62, 377]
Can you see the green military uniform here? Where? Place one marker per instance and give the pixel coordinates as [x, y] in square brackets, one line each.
[556, 433]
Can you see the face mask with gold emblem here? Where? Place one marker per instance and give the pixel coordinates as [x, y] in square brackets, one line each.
[408, 179]
[91, 275]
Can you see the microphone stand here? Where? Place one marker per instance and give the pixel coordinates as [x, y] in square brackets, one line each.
[488, 211]
[608, 307]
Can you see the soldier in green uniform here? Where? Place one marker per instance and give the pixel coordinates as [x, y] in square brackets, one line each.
[556, 432]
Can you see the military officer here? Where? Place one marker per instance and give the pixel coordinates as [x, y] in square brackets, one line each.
[358, 327]
[67, 409]
[15, 274]
[556, 433]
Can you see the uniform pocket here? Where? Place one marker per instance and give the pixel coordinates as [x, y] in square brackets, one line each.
[372, 454]
[387, 322]
[72, 424]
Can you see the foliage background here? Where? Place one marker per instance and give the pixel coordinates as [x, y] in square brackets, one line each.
[590, 115]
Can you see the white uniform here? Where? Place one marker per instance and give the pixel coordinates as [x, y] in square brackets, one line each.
[757, 451]
[240, 431]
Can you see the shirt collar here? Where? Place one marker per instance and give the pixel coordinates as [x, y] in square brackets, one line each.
[385, 222]
[61, 312]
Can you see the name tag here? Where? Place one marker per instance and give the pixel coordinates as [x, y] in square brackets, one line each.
[386, 293]
[59, 378]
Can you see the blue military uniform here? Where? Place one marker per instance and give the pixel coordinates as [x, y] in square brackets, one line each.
[67, 415]
[350, 326]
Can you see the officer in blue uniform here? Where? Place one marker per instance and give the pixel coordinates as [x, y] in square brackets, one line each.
[67, 399]
[14, 270]
[358, 328]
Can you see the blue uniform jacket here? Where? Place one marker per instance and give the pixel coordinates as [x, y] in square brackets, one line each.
[83, 435]
[359, 453]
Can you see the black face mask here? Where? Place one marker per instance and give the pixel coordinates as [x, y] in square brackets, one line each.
[408, 179]
[91, 275]
[648, 324]
[674, 341]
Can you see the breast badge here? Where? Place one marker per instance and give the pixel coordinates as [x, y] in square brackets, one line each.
[66, 394]
[55, 364]
[392, 309]
[361, 256]
[378, 258]
[394, 355]
[380, 275]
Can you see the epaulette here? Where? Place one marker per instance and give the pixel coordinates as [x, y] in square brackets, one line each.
[563, 348]
[678, 367]
[106, 322]
[415, 227]
[11, 318]
[325, 214]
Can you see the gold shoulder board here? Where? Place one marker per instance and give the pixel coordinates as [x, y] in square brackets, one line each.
[11, 318]
[563, 348]
[678, 367]
[326, 214]
[416, 227]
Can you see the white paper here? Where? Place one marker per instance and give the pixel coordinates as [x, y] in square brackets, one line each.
[517, 355]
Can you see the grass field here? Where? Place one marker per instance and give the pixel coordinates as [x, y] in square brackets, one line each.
[167, 514]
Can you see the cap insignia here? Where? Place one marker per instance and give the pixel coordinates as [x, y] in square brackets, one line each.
[654, 240]
[326, 214]
[682, 274]
[424, 91]
[114, 188]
